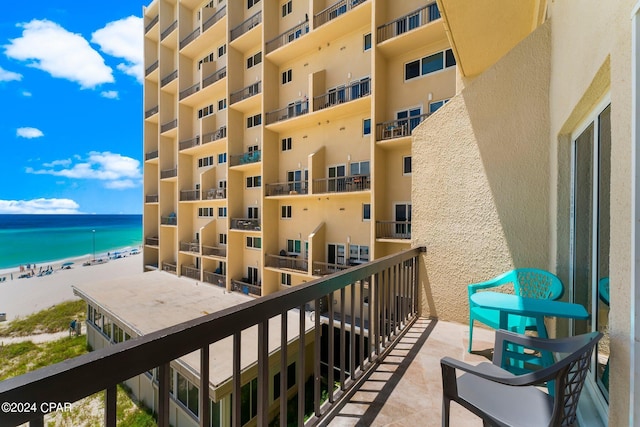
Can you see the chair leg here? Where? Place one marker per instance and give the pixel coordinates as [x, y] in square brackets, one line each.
[470, 333]
[446, 405]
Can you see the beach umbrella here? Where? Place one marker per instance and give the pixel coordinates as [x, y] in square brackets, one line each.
[66, 264]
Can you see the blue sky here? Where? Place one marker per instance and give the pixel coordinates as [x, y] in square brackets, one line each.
[71, 107]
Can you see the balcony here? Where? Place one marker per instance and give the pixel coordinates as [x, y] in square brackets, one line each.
[192, 247]
[393, 230]
[287, 262]
[325, 268]
[215, 278]
[292, 110]
[342, 184]
[169, 220]
[191, 37]
[170, 267]
[214, 251]
[355, 90]
[169, 78]
[169, 126]
[398, 128]
[333, 11]
[151, 155]
[151, 198]
[408, 22]
[244, 27]
[152, 241]
[168, 30]
[150, 112]
[151, 24]
[288, 36]
[211, 21]
[286, 188]
[245, 287]
[215, 194]
[216, 135]
[189, 143]
[245, 93]
[245, 224]
[190, 271]
[169, 173]
[245, 158]
[151, 68]
[189, 195]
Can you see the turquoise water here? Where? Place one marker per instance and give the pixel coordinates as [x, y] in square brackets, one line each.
[45, 238]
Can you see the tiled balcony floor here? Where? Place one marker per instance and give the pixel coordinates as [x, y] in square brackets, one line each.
[406, 388]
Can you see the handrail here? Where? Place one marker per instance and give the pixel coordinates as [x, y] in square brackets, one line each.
[168, 173]
[415, 19]
[151, 68]
[333, 11]
[215, 278]
[151, 198]
[245, 224]
[246, 92]
[391, 284]
[246, 25]
[354, 90]
[289, 187]
[214, 18]
[191, 37]
[342, 184]
[393, 230]
[191, 272]
[288, 36]
[169, 30]
[169, 78]
[152, 241]
[398, 128]
[150, 112]
[189, 91]
[151, 155]
[151, 23]
[214, 77]
[219, 251]
[189, 143]
[189, 195]
[169, 125]
[245, 158]
[292, 110]
[287, 262]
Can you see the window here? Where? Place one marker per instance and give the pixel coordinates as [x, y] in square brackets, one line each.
[118, 334]
[254, 60]
[286, 144]
[250, 4]
[367, 41]
[205, 161]
[222, 158]
[187, 394]
[429, 64]
[291, 378]
[285, 211]
[294, 246]
[405, 127]
[205, 212]
[208, 58]
[358, 253]
[254, 242]
[252, 212]
[222, 50]
[222, 104]
[254, 121]
[222, 212]
[366, 211]
[366, 127]
[286, 8]
[248, 399]
[222, 238]
[285, 280]
[359, 168]
[254, 181]
[406, 165]
[433, 106]
[204, 112]
[286, 77]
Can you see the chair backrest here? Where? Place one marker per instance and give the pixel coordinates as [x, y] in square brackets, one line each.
[535, 283]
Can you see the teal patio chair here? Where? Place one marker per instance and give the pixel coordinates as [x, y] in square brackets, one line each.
[526, 282]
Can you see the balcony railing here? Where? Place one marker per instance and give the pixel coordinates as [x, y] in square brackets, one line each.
[219, 133]
[245, 224]
[191, 37]
[189, 195]
[292, 110]
[245, 93]
[215, 193]
[325, 268]
[169, 78]
[385, 292]
[354, 90]
[393, 229]
[408, 22]
[169, 220]
[215, 278]
[151, 68]
[189, 91]
[169, 173]
[245, 158]
[151, 198]
[151, 155]
[169, 30]
[342, 184]
[214, 77]
[151, 241]
[190, 271]
[290, 262]
[219, 251]
[150, 112]
[398, 128]
[246, 288]
[282, 188]
[170, 267]
[335, 10]
[189, 143]
[246, 25]
[151, 23]
[288, 36]
[214, 18]
[169, 125]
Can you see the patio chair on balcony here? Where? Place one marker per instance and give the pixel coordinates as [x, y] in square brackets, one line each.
[526, 282]
[503, 399]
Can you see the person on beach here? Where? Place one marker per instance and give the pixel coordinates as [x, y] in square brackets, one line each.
[72, 327]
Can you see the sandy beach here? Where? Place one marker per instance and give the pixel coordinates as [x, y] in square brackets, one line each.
[21, 297]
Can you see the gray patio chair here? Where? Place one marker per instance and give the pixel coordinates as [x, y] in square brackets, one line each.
[503, 399]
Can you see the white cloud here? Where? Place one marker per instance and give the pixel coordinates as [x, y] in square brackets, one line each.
[7, 76]
[123, 39]
[118, 171]
[110, 94]
[39, 206]
[63, 54]
[29, 133]
[26, 93]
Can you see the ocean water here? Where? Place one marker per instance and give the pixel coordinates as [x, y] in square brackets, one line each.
[46, 238]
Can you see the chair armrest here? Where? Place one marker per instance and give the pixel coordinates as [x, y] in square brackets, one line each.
[558, 345]
[492, 283]
[449, 365]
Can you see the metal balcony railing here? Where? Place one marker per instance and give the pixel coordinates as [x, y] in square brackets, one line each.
[169, 125]
[169, 220]
[151, 155]
[245, 158]
[245, 93]
[151, 23]
[171, 267]
[150, 112]
[215, 278]
[288, 36]
[393, 229]
[214, 18]
[190, 271]
[282, 188]
[168, 173]
[217, 251]
[408, 22]
[169, 78]
[151, 68]
[333, 11]
[325, 268]
[151, 198]
[215, 193]
[350, 92]
[151, 241]
[169, 30]
[189, 143]
[219, 133]
[191, 37]
[287, 262]
[189, 195]
[189, 91]
[245, 224]
[398, 128]
[384, 292]
[342, 184]
[292, 110]
[245, 287]
[214, 77]
[246, 25]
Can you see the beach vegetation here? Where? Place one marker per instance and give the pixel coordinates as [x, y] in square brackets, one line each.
[50, 320]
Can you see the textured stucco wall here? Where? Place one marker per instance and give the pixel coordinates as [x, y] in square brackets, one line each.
[481, 179]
